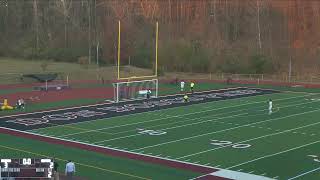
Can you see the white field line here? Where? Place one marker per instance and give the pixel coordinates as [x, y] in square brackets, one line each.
[119, 150]
[259, 122]
[92, 121]
[159, 119]
[308, 172]
[252, 139]
[189, 119]
[199, 122]
[123, 137]
[274, 154]
[263, 157]
[193, 119]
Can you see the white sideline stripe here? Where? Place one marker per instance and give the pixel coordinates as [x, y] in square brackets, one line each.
[174, 127]
[85, 106]
[259, 122]
[308, 172]
[274, 154]
[252, 139]
[120, 150]
[238, 175]
[171, 108]
[175, 116]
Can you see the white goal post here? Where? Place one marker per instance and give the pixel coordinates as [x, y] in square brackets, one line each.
[139, 89]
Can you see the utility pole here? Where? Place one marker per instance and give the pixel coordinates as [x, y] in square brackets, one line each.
[290, 69]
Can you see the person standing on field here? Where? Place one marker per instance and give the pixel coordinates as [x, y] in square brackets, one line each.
[55, 170]
[192, 87]
[270, 106]
[70, 170]
[182, 85]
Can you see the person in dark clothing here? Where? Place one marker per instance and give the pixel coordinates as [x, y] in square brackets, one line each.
[55, 170]
[148, 94]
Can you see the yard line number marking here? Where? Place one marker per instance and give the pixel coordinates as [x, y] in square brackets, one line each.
[229, 143]
[151, 132]
[315, 158]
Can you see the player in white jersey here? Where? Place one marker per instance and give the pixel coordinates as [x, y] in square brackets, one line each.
[182, 85]
[270, 106]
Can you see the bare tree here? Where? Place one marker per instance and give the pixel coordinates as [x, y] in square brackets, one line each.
[36, 22]
[259, 30]
[65, 6]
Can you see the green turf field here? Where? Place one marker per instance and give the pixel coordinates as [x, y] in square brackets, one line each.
[236, 134]
[89, 165]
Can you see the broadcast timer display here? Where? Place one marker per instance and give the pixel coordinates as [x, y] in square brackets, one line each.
[26, 168]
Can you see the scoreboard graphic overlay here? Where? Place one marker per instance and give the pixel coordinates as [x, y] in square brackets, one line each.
[26, 168]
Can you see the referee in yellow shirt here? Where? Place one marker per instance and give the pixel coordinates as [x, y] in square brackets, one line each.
[192, 87]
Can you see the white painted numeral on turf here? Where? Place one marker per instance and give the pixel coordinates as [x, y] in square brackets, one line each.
[229, 143]
[241, 146]
[220, 143]
[315, 158]
[152, 132]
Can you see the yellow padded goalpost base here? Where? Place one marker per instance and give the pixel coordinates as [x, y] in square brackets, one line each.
[6, 106]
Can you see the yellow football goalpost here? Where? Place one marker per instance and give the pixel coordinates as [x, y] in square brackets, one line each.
[136, 87]
[119, 55]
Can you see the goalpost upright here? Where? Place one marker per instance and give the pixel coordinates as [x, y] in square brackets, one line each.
[155, 75]
[139, 83]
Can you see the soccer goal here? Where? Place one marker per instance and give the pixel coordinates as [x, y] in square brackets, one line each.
[138, 89]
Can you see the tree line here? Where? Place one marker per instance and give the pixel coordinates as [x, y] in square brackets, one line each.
[234, 36]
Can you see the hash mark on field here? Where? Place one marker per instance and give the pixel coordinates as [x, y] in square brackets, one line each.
[250, 172]
[210, 163]
[276, 177]
[263, 174]
[239, 170]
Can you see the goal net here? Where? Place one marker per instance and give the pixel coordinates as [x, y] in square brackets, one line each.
[131, 90]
